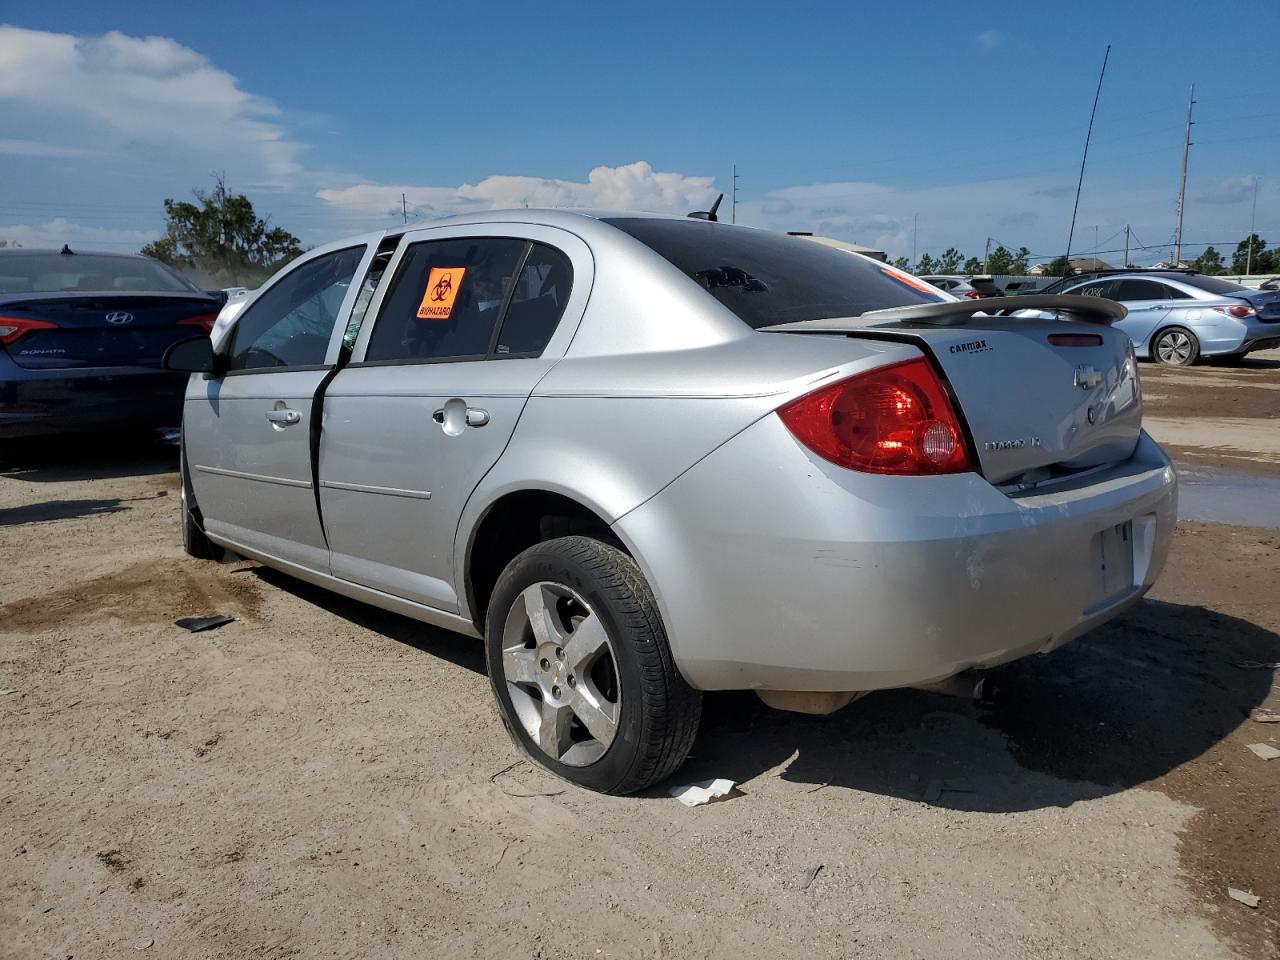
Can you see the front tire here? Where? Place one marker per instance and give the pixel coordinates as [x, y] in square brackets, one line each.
[1175, 347]
[580, 665]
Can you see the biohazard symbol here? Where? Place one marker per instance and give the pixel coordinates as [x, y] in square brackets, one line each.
[442, 290]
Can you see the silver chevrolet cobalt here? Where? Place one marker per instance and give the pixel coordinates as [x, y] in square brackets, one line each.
[643, 457]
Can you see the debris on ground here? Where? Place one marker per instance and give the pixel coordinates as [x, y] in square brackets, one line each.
[521, 793]
[5, 693]
[1264, 751]
[144, 944]
[1265, 716]
[1258, 664]
[1248, 899]
[810, 875]
[199, 624]
[696, 794]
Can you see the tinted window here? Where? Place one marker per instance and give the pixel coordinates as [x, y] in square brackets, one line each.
[767, 278]
[1213, 285]
[536, 303]
[1099, 288]
[290, 324]
[73, 272]
[445, 300]
[1173, 293]
[1129, 290]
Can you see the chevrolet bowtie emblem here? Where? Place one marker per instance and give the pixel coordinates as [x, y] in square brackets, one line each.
[1087, 378]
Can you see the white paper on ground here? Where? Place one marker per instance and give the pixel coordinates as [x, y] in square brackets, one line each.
[696, 794]
[1248, 899]
[1264, 750]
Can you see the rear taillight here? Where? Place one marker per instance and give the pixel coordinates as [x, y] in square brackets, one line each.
[973, 294]
[11, 328]
[1075, 340]
[204, 321]
[1238, 312]
[896, 419]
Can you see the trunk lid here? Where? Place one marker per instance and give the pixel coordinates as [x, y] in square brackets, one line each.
[1033, 407]
[1266, 303]
[103, 329]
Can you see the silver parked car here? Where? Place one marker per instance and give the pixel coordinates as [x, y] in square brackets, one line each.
[1176, 318]
[644, 457]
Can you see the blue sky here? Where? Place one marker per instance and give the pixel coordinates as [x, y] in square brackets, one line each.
[854, 120]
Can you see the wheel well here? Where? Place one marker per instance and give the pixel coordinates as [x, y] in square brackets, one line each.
[513, 524]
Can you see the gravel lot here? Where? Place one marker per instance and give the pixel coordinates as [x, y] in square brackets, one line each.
[320, 778]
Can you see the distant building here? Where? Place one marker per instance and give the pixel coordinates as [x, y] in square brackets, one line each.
[841, 245]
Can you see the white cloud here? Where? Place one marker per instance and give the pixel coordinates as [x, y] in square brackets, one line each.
[56, 232]
[990, 39]
[36, 148]
[633, 186]
[135, 95]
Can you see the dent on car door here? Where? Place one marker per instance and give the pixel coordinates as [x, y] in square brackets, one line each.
[247, 433]
[458, 344]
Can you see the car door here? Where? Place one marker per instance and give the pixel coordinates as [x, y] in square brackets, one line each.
[1148, 304]
[247, 432]
[470, 321]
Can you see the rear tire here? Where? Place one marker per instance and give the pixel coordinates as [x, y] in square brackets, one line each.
[580, 665]
[1175, 347]
[194, 541]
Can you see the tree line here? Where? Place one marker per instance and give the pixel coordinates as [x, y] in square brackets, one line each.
[1003, 262]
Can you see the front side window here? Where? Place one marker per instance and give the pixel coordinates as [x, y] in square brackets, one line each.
[290, 325]
[445, 300]
[769, 278]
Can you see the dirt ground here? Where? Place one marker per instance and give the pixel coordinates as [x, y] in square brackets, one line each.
[320, 778]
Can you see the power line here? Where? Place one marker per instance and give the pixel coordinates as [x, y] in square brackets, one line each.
[1087, 137]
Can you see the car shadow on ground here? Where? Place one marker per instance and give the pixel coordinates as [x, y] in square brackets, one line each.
[57, 510]
[1243, 363]
[1120, 707]
[87, 457]
[463, 651]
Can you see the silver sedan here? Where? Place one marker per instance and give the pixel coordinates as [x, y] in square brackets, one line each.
[645, 457]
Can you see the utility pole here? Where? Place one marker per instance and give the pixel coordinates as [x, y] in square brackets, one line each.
[1253, 219]
[404, 208]
[1126, 247]
[733, 207]
[1182, 186]
[986, 257]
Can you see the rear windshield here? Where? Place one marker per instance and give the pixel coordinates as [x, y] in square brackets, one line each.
[73, 272]
[767, 278]
[1212, 284]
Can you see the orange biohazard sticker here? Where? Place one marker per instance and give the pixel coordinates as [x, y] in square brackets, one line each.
[442, 290]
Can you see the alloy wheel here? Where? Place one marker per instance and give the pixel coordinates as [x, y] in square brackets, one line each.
[1174, 348]
[558, 663]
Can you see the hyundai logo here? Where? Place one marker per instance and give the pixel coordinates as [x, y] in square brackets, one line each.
[119, 318]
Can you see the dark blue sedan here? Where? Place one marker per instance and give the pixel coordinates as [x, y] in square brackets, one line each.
[82, 336]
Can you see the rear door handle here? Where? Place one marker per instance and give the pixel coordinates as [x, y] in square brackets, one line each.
[284, 417]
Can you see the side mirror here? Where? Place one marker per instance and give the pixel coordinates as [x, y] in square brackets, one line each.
[191, 356]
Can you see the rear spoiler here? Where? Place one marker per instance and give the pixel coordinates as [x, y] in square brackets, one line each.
[956, 313]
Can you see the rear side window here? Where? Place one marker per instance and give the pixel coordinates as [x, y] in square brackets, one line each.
[1130, 290]
[291, 323]
[768, 278]
[537, 302]
[1099, 288]
[445, 300]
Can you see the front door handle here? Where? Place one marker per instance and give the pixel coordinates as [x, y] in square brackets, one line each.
[455, 415]
[284, 417]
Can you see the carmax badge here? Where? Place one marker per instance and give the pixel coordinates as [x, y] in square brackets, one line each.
[1087, 378]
